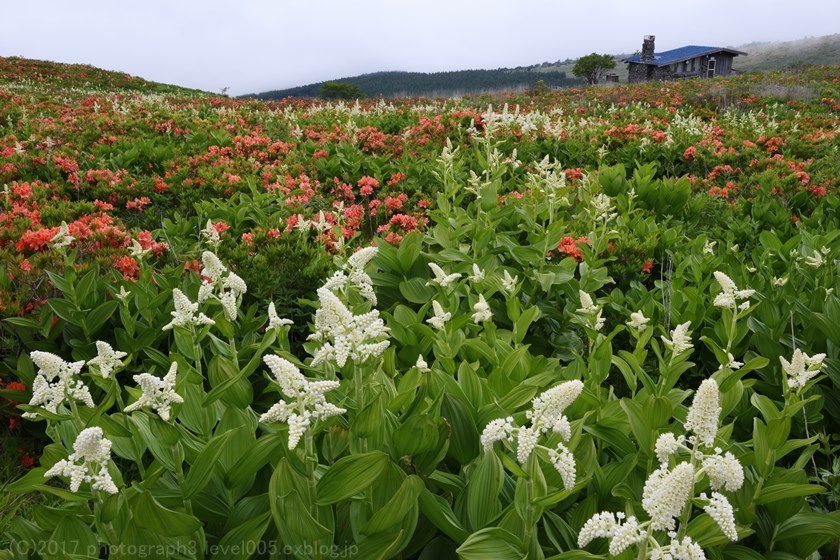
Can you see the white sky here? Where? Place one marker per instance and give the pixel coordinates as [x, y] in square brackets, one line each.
[258, 45]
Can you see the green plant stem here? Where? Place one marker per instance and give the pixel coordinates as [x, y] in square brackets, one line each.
[124, 422]
[643, 548]
[311, 460]
[686, 512]
[75, 411]
[358, 389]
[359, 396]
[113, 539]
[199, 534]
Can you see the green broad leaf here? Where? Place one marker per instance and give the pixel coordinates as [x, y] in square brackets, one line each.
[809, 530]
[769, 240]
[737, 552]
[184, 343]
[440, 514]
[785, 490]
[63, 284]
[208, 458]
[415, 290]
[96, 318]
[351, 475]
[417, 434]
[483, 489]
[474, 347]
[65, 310]
[21, 322]
[778, 431]
[378, 546]
[464, 437]
[400, 504]
[113, 428]
[87, 284]
[28, 482]
[487, 196]
[514, 467]
[492, 542]
[575, 555]
[520, 327]
[408, 252]
[626, 372]
[239, 542]
[766, 406]
[73, 538]
[295, 521]
[224, 371]
[44, 413]
[149, 514]
[267, 447]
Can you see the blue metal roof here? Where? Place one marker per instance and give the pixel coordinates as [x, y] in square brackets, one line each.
[680, 54]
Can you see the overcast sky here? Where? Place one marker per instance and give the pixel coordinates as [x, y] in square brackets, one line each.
[258, 45]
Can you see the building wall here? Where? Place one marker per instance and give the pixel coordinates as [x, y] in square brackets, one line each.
[646, 72]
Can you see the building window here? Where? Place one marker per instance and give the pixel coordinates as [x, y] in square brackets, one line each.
[710, 69]
[693, 60]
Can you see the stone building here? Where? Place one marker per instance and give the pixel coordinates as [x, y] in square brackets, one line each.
[685, 62]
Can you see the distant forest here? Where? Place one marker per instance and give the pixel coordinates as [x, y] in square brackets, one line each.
[409, 84]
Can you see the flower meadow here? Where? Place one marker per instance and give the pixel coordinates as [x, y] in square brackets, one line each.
[587, 323]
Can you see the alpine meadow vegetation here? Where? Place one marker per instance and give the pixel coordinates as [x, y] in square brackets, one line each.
[574, 324]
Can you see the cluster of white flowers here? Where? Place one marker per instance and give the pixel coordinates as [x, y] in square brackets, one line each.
[421, 365]
[56, 381]
[275, 321]
[498, 430]
[685, 549]
[607, 525]
[344, 335]
[816, 260]
[353, 275]
[546, 414]
[211, 234]
[221, 284]
[588, 307]
[159, 394]
[62, 238]
[602, 208]
[482, 310]
[477, 275]
[720, 510]
[709, 247]
[667, 445]
[122, 295]
[107, 359]
[185, 313]
[88, 462]
[704, 413]
[724, 471]
[801, 368]
[307, 402]
[440, 317]
[730, 294]
[680, 340]
[666, 493]
[441, 278]
[509, 282]
[668, 490]
[638, 321]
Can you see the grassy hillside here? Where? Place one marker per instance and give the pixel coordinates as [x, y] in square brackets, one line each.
[816, 51]
[435, 84]
[14, 70]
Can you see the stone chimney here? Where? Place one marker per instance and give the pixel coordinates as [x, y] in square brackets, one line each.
[647, 47]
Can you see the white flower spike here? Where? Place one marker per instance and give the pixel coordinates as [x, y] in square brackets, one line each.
[158, 394]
